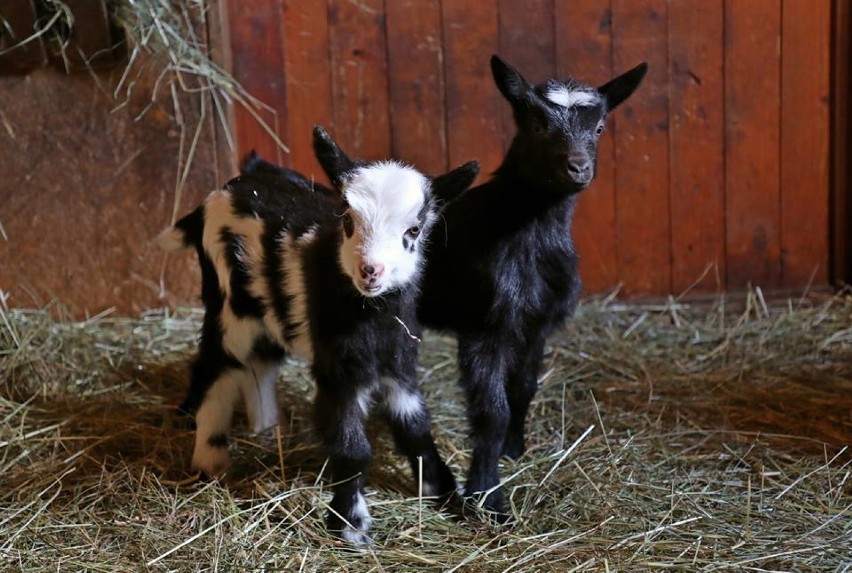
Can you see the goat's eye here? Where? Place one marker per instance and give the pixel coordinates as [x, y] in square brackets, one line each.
[599, 129]
[539, 128]
[413, 231]
[348, 224]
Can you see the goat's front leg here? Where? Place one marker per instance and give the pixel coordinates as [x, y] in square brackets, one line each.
[410, 424]
[482, 368]
[521, 387]
[339, 419]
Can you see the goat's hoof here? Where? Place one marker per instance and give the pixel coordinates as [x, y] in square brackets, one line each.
[494, 507]
[513, 448]
[353, 529]
[356, 538]
[211, 463]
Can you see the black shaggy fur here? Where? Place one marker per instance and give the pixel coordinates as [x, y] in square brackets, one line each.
[505, 277]
[361, 351]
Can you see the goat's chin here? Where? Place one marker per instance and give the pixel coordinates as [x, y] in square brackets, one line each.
[571, 187]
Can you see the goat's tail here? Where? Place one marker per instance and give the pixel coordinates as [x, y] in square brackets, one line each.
[185, 233]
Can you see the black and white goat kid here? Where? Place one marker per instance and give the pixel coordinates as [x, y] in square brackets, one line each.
[331, 277]
[502, 272]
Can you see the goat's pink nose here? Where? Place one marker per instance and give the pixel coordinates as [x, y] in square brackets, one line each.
[371, 270]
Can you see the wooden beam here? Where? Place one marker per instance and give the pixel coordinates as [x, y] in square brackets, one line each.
[841, 169]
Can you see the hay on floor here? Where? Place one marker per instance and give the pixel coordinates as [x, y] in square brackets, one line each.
[693, 437]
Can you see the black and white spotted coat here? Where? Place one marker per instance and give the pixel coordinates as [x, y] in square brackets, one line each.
[327, 275]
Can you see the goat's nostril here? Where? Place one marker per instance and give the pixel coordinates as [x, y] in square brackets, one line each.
[580, 167]
[373, 271]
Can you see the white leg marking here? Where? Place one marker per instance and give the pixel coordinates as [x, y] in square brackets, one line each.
[258, 387]
[429, 489]
[213, 420]
[359, 522]
[401, 402]
[365, 399]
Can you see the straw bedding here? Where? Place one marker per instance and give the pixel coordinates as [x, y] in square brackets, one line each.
[671, 436]
[696, 437]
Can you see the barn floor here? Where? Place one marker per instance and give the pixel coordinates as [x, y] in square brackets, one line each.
[708, 437]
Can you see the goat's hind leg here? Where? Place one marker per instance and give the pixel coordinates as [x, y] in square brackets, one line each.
[213, 422]
[483, 369]
[259, 392]
[411, 427]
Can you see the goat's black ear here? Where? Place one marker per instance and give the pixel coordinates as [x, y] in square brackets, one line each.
[254, 164]
[334, 162]
[450, 185]
[511, 83]
[250, 163]
[619, 89]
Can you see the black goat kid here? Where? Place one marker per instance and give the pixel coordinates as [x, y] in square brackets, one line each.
[505, 278]
[332, 277]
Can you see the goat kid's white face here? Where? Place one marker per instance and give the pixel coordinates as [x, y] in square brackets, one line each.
[388, 214]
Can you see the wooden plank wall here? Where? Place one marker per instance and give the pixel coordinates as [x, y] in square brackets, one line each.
[715, 175]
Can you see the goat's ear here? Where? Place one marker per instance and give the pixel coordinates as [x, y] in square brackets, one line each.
[619, 89]
[511, 83]
[334, 162]
[450, 185]
[254, 164]
[250, 163]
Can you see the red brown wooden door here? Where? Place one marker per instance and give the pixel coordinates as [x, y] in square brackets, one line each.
[714, 175]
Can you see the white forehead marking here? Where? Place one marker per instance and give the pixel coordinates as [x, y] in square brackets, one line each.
[561, 95]
[386, 191]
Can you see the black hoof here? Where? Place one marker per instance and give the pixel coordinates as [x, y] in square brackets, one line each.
[513, 449]
[494, 507]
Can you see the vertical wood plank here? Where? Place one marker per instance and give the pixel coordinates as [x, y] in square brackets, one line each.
[474, 105]
[308, 79]
[584, 51]
[358, 51]
[258, 65]
[416, 76]
[841, 171]
[640, 33]
[222, 126]
[527, 42]
[805, 50]
[752, 107]
[697, 139]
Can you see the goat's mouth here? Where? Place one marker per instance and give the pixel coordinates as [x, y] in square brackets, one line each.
[579, 180]
[370, 289]
[572, 186]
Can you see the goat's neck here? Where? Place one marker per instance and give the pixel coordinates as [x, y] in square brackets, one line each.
[533, 195]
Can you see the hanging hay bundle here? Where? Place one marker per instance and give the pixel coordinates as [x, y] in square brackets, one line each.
[664, 436]
[160, 46]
